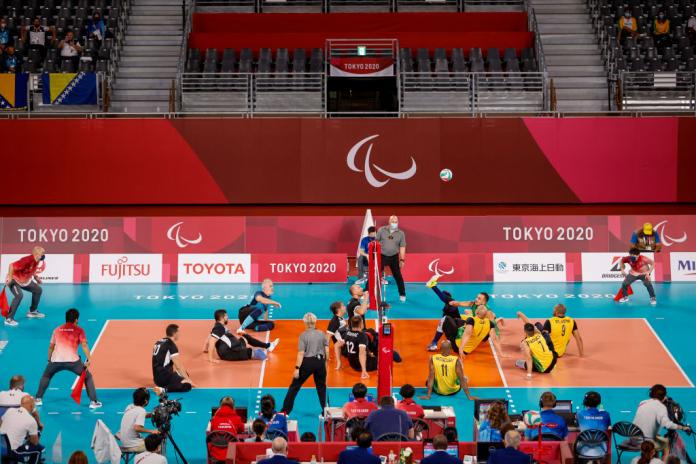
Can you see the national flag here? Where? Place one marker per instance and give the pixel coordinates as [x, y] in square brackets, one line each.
[69, 88]
[76, 394]
[4, 306]
[13, 91]
[620, 294]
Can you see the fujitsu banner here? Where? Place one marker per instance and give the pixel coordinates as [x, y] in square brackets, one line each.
[55, 269]
[300, 267]
[214, 268]
[125, 268]
[362, 66]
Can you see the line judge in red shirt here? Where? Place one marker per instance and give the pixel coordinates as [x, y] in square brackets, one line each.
[414, 410]
[23, 275]
[62, 356]
[641, 267]
[225, 419]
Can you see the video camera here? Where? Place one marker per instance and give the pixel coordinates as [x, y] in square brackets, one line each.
[163, 413]
[676, 414]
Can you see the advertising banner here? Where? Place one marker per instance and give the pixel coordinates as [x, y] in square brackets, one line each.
[606, 267]
[214, 268]
[529, 267]
[683, 267]
[59, 268]
[452, 267]
[126, 268]
[362, 66]
[300, 267]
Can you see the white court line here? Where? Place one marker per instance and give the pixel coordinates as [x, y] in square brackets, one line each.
[497, 363]
[668, 352]
[94, 347]
[263, 363]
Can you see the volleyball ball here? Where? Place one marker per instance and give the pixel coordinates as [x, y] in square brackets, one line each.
[532, 418]
[445, 175]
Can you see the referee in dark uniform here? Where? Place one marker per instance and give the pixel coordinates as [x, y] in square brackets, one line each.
[312, 354]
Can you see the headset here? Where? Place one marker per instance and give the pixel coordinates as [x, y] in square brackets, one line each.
[541, 403]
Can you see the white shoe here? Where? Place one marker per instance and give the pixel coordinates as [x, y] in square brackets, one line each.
[95, 405]
[35, 314]
[402, 298]
[623, 300]
[433, 281]
[11, 322]
[38, 402]
[360, 281]
[274, 343]
[432, 348]
[653, 301]
[241, 331]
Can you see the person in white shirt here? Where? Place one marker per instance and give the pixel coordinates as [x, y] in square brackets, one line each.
[151, 455]
[12, 398]
[647, 454]
[691, 28]
[22, 432]
[133, 422]
[70, 48]
[651, 415]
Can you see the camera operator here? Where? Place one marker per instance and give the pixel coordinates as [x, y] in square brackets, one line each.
[167, 369]
[133, 422]
[652, 414]
[151, 455]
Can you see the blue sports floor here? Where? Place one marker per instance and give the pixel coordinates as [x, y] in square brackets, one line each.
[25, 346]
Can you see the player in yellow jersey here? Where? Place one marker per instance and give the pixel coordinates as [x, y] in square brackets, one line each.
[446, 376]
[466, 335]
[561, 328]
[537, 349]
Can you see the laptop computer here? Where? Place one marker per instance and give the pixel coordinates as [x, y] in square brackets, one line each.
[564, 408]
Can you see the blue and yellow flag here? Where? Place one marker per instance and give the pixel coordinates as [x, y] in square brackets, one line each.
[13, 91]
[69, 88]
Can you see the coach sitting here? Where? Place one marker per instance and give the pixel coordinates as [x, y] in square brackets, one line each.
[359, 454]
[510, 454]
[440, 456]
[553, 424]
[279, 447]
[389, 420]
[22, 432]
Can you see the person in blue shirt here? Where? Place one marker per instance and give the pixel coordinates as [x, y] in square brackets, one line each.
[496, 416]
[359, 454]
[363, 256]
[552, 423]
[440, 456]
[388, 419]
[591, 417]
[250, 315]
[277, 422]
[646, 238]
[11, 61]
[510, 454]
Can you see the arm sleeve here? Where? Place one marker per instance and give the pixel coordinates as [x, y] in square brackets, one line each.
[173, 350]
[217, 332]
[402, 242]
[657, 237]
[302, 344]
[140, 420]
[663, 419]
[470, 321]
[33, 428]
[547, 326]
[634, 236]
[362, 340]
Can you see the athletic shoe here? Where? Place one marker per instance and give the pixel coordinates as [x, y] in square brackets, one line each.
[258, 354]
[653, 301]
[95, 404]
[432, 348]
[11, 322]
[402, 298]
[35, 314]
[38, 402]
[158, 390]
[241, 331]
[274, 343]
[360, 281]
[433, 281]
[520, 364]
[623, 300]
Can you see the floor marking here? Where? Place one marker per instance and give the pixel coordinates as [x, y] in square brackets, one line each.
[53, 413]
[91, 320]
[191, 412]
[497, 363]
[53, 388]
[94, 347]
[668, 352]
[76, 413]
[625, 412]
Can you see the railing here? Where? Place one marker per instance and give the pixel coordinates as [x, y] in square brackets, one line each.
[533, 26]
[657, 91]
[260, 6]
[444, 93]
[187, 20]
[119, 42]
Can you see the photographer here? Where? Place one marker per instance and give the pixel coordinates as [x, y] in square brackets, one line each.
[652, 414]
[151, 455]
[167, 369]
[133, 422]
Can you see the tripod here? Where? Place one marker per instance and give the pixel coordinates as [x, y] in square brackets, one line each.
[167, 435]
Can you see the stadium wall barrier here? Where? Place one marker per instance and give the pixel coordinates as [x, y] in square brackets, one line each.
[255, 161]
[316, 249]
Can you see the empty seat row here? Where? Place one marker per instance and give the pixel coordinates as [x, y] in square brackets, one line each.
[456, 62]
[229, 62]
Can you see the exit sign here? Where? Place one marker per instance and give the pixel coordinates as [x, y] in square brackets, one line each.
[362, 50]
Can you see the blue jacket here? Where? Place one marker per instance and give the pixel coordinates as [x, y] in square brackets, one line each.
[277, 459]
[441, 457]
[509, 456]
[357, 455]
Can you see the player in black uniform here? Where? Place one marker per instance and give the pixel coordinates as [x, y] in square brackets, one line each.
[230, 348]
[357, 305]
[337, 327]
[167, 369]
[361, 347]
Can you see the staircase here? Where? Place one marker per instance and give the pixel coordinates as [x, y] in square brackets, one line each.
[150, 57]
[573, 58]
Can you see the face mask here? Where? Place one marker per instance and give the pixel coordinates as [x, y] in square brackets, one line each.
[661, 16]
[42, 257]
[393, 225]
[627, 15]
[634, 258]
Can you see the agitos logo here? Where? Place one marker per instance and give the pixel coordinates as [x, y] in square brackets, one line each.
[368, 166]
[434, 267]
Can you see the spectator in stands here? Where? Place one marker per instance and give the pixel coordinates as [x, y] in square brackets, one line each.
[510, 454]
[652, 414]
[153, 448]
[70, 48]
[451, 434]
[226, 418]
[440, 456]
[5, 35]
[279, 447]
[647, 454]
[414, 410]
[691, 28]
[363, 256]
[646, 238]
[133, 422]
[387, 420]
[36, 33]
[628, 26]
[591, 417]
[276, 422]
[78, 457]
[359, 454]
[259, 429]
[308, 437]
[12, 398]
[553, 424]
[360, 406]
[96, 29]
[22, 432]
[661, 33]
[497, 415]
[11, 61]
